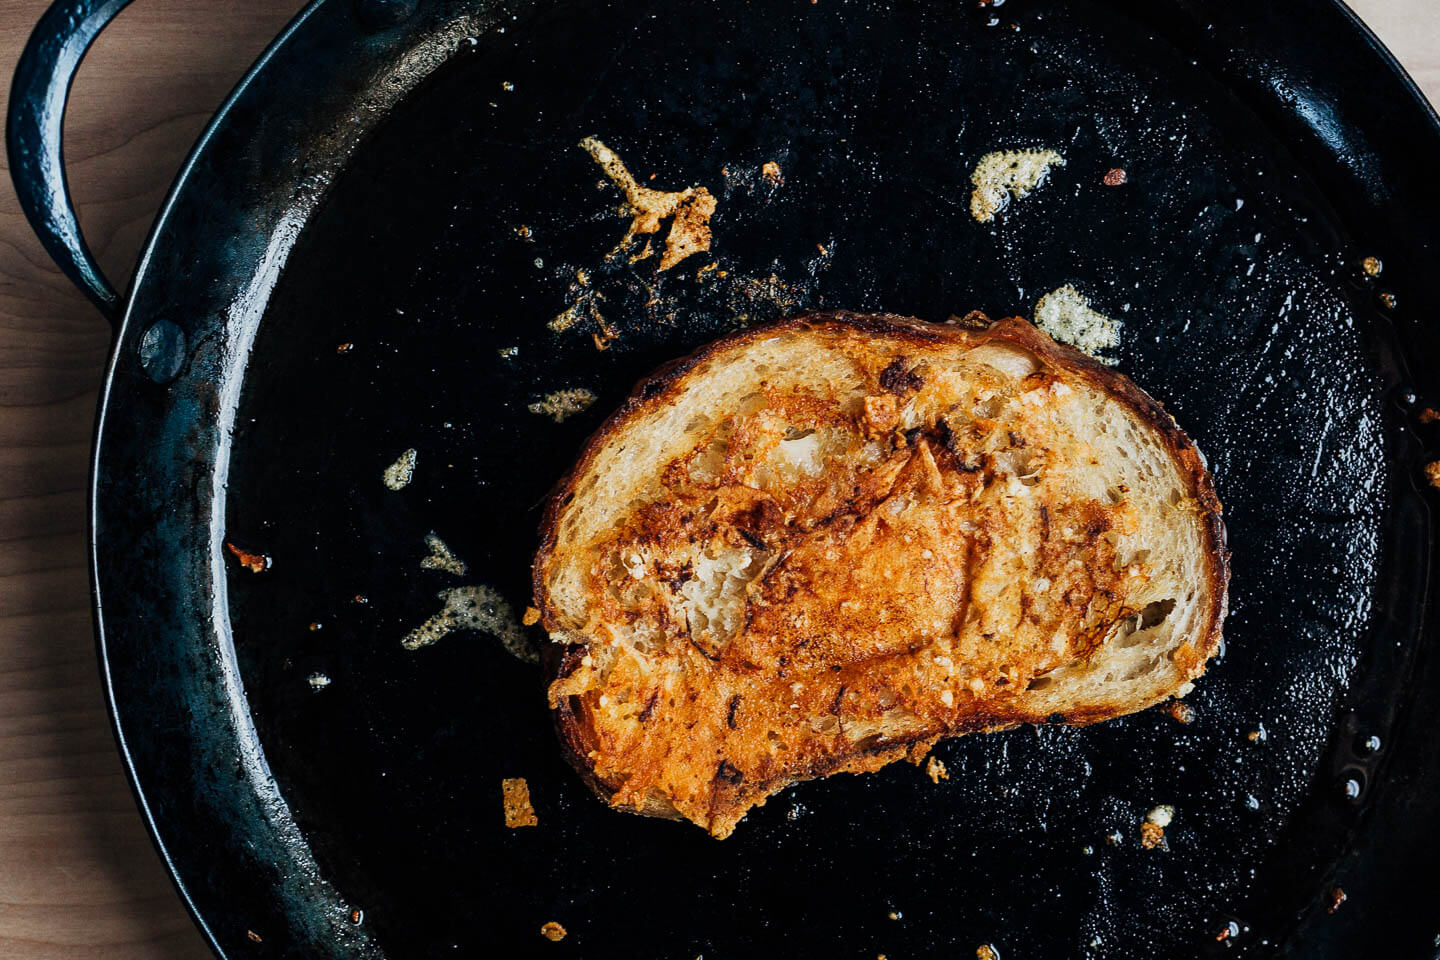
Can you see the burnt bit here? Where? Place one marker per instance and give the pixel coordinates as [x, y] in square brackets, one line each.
[1429, 415]
[729, 773]
[730, 713]
[254, 562]
[897, 378]
[975, 320]
[1335, 898]
[649, 710]
[1114, 177]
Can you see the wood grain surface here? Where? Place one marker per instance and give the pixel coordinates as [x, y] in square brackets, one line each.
[78, 876]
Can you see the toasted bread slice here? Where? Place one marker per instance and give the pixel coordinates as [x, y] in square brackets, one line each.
[822, 546]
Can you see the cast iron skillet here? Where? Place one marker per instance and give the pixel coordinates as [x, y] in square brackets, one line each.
[361, 256]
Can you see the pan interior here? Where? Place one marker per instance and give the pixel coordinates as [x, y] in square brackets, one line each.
[414, 315]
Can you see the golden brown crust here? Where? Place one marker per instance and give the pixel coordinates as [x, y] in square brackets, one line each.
[578, 736]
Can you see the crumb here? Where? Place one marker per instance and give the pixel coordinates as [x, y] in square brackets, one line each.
[518, 811]
[1114, 177]
[1372, 266]
[770, 170]
[1337, 897]
[824, 252]
[314, 626]
[531, 617]
[318, 681]
[986, 951]
[508, 87]
[479, 608]
[1114, 838]
[553, 931]
[441, 557]
[344, 348]
[1152, 831]
[690, 210]
[601, 343]
[1065, 314]
[360, 598]
[1429, 415]
[523, 232]
[1258, 735]
[1432, 473]
[1231, 929]
[1182, 712]
[895, 914]
[402, 471]
[1387, 300]
[255, 937]
[563, 404]
[254, 562]
[1005, 174]
[935, 769]
[357, 916]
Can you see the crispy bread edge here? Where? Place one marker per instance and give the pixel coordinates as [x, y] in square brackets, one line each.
[667, 381]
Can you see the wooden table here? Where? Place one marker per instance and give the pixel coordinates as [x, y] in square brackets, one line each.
[78, 877]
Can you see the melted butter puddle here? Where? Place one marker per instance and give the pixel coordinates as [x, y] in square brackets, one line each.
[441, 557]
[1005, 174]
[478, 607]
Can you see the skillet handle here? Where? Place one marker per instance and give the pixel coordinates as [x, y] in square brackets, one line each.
[33, 129]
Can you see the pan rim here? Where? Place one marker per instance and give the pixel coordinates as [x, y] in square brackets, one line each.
[106, 426]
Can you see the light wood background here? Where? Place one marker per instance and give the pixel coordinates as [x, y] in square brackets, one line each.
[78, 876]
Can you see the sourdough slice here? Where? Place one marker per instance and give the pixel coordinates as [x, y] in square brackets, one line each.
[822, 546]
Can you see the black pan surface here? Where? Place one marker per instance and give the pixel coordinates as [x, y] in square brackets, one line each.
[412, 314]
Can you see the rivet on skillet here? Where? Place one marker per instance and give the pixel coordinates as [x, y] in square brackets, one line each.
[378, 14]
[162, 351]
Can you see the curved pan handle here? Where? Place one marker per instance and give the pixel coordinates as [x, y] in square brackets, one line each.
[33, 129]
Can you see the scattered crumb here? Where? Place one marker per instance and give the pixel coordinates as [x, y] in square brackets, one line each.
[314, 626]
[986, 951]
[518, 810]
[1231, 929]
[507, 86]
[318, 681]
[691, 209]
[1187, 687]
[1152, 831]
[1114, 177]
[935, 769]
[1429, 415]
[508, 353]
[402, 471]
[1387, 300]
[1065, 314]
[1432, 473]
[357, 916]
[441, 557]
[1258, 735]
[1114, 838]
[253, 936]
[563, 403]
[1372, 266]
[344, 348]
[1005, 174]
[585, 303]
[360, 598]
[1182, 712]
[531, 617]
[1337, 897]
[524, 232]
[895, 914]
[770, 170]
[254, 562]
[478, 608]
[553, 931]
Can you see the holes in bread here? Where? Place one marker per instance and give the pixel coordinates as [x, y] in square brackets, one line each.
[1039, 683]
[1155, 612]
[714, 598]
